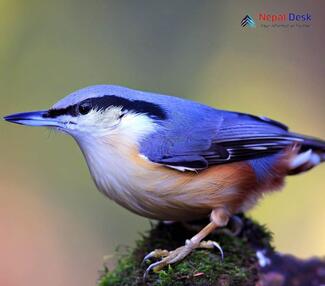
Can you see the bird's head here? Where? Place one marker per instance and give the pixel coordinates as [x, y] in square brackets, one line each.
[98, 112]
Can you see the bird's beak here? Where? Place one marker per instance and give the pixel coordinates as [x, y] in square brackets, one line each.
[34, 118]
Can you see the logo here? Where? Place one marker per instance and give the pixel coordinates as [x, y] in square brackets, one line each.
[248, 21]
[278, 20]
[284, 17]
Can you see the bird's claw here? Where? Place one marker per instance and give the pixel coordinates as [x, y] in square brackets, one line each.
[157, 253]
[212, 244]
[170, 257]
[236, 224]
[151, 267]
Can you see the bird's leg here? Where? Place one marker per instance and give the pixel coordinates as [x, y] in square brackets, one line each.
[219, 218]
[234, 226]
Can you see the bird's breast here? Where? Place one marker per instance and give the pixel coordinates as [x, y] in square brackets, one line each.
[158, 192]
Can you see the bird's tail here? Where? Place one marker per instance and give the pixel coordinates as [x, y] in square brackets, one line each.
[311, 154]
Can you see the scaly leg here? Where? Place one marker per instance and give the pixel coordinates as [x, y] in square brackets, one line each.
[219, 218]
[234, 226]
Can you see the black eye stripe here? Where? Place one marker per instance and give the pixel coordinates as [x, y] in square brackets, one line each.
[104, 102]
[137, 106]
[70, 110]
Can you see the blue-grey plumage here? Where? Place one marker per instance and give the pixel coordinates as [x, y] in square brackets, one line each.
[169, 158]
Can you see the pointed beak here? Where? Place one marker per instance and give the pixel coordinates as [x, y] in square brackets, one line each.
[34, 118]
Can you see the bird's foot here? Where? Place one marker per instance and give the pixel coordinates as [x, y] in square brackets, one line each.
[169, 257]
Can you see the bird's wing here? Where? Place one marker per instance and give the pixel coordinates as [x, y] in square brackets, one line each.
[232, 137]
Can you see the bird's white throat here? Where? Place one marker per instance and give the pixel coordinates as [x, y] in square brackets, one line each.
[112, 158]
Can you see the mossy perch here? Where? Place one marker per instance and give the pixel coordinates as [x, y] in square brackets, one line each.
[204, 267]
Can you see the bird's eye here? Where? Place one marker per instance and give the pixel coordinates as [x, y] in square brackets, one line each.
[84, 108]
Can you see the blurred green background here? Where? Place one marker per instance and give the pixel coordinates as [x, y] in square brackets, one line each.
[55, 227]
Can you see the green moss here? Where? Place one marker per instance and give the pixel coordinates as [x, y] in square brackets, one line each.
[124, 273]
[201, 267]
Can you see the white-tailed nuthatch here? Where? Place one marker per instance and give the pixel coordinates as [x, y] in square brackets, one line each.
[168, 158]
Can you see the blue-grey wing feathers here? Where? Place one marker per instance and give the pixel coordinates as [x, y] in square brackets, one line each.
[222, 138]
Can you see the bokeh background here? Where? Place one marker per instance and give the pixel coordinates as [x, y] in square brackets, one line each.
[55, 227]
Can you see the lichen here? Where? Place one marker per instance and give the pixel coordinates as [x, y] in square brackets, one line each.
[201, 267]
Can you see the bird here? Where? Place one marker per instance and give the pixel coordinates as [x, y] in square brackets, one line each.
[169, 158]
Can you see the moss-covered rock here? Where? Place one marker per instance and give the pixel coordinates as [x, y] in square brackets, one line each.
[201, 267]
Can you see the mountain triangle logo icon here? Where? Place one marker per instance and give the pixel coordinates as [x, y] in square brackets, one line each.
[248, 21]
